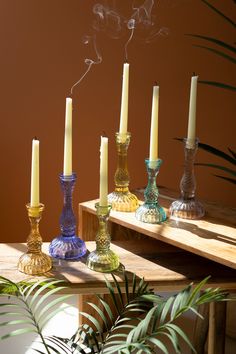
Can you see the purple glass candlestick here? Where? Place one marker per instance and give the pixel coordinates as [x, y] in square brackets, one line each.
[67, 245]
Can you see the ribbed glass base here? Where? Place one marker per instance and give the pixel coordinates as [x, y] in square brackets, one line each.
[123, 201]
[150, 213]
[34, 263]
[67, 247]
[103, 261]
[186, 209]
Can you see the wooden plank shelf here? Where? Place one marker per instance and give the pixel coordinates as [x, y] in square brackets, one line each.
[213, 237]
[168, 268]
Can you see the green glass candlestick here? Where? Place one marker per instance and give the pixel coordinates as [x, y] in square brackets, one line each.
[34, 261]
[103, 259]
[122, 199]
[151, 211]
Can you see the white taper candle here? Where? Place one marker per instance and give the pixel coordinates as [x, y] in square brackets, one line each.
[103, 171]
[67, 168]
[34, 195]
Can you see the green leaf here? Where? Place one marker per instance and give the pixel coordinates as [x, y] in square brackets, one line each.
[214, 151]
[113, 297]
[195, 293]
[107, 308]
[17, 332]
[41, 299]
[232, 152]
[14, 322]
[215, 41]
[158, 344]
[218, 84]
[118, 289]
[219, 167]
[41, 289]
[93, 320]
[50, 305]
[219, 13]
[134, 283]
[100, 313]
[166, 309]
[181, 334]
[217, 52]
[174, 339]
[50, 315]
[231, 180]
[126, 286]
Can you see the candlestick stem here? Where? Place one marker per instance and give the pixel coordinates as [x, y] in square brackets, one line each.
[122, 199]
[151, 211]
[187, 206]
[103, 259]
[68, 245]
[34, 261]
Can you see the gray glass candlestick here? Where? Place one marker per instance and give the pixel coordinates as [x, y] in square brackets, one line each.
[151, 211]
[187, 206]
[67, 245]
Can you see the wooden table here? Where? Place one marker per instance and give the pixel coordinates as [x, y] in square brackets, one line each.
[168, 256]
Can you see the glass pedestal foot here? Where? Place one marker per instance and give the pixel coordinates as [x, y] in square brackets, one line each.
[34, 264]
[123, 201]
[104, 262]
[67, 247]
[186, 209]
[150, 213]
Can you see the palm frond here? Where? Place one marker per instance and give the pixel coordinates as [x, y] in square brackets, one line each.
[219, 13]
[219, 167]
[228, 179]
[218, 84]
[215, 41]
[217, 52]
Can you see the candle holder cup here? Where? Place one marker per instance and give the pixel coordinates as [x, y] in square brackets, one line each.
[103, 259]
[151, 211]
[122, 199]
[67, 245]
[34, 261]
[187, 206]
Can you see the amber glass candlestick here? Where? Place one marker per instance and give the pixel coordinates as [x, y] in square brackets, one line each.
[187, 206]
[122, 199]
[34, 261]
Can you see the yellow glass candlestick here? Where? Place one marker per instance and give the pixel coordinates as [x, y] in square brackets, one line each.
[103, 259]
[34, 261]
[121, 199]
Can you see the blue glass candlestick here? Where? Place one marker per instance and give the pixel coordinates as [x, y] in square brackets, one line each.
[151, 211]
[68, 245]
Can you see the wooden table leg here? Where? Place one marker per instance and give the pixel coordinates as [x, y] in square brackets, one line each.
[217, 323]
[201, 329]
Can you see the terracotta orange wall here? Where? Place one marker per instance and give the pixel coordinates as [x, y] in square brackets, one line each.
[42, 56]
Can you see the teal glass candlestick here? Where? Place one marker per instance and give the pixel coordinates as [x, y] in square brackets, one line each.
[103, 259]
[187, 206]
[151, 211]
[122, 199]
